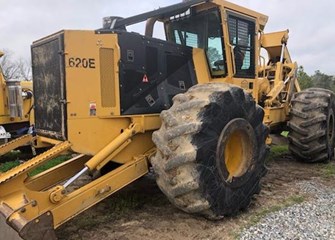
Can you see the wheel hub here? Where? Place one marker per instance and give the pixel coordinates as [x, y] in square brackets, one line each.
[236, 152]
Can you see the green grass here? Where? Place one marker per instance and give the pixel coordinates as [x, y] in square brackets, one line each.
[276, 151]
[11, 156]
[328, 170]
[49, 164]
[284, 133]
[295, 199]
[9, 161]
[4, 167]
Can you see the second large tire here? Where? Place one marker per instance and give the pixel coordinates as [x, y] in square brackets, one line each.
[312, 125]
[211, 150]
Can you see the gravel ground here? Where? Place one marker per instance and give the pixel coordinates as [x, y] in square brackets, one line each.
[313, 219]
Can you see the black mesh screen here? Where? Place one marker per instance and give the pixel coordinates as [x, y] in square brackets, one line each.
[48, 79]
[242, 37]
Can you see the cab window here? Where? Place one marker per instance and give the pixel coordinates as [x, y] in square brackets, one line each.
[202, 30]
[242, 38]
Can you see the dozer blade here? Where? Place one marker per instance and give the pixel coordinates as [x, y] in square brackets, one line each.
[13, 191]
[35, 206]
[18, 142]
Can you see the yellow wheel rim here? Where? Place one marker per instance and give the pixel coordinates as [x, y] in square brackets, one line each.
[237, 154]
[236, 150]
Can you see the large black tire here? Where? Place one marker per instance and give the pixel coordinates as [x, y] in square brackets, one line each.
[211, 150]
[311, 124]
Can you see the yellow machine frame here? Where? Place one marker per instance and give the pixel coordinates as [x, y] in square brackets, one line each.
[42, 202]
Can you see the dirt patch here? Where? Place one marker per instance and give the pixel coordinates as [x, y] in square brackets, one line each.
[141, 211]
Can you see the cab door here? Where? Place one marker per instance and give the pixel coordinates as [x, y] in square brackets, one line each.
[241, 39]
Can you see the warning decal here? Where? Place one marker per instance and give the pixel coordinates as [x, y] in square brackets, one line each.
[145, 78]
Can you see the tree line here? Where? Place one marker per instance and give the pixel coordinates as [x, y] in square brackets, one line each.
[318, 79]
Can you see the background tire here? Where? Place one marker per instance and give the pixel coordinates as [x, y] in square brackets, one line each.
[211, 150]
[311, 136]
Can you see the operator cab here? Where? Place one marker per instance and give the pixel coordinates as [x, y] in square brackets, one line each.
[229, 45]
[204, 29]
[205, 41]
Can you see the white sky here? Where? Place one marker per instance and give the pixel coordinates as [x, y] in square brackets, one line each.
[311, 23]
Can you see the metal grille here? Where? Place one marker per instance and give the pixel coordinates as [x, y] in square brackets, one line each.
[48, 77]
[107, 77]
[241, 36]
